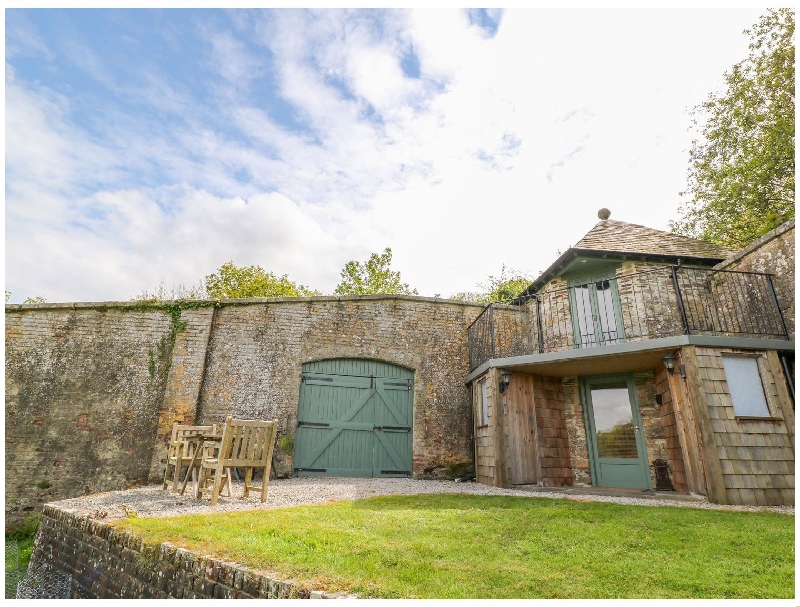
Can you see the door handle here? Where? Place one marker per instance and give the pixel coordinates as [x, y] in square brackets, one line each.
[636, 429]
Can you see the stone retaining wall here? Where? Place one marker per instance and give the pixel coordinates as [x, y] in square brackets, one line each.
[106, 562]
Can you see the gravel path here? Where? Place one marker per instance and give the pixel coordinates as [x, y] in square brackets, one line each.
[152, 501]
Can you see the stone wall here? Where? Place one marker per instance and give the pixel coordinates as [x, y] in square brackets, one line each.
[92, 390]
[106, 562]
[773, 253]
[83, 389]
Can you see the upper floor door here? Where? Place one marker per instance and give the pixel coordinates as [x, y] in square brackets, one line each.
[596, 317]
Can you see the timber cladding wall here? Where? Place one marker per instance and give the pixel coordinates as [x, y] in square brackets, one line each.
[747, 461]
[105, 562]
[92, 390]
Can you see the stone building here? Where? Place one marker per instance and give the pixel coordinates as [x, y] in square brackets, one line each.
[640, 360]
[411, 386]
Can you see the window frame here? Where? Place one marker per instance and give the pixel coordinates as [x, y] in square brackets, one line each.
[481, 404]
[760, 370]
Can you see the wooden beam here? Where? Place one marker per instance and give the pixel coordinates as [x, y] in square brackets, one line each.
[784, 400]
[687, 434]
[715, 482]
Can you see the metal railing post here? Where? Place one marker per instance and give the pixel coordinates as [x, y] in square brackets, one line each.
[539, 325]
[491, 326]
[680, 299]
[777, 305]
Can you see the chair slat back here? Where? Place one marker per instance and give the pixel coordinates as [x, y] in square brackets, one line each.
[247, 442]
[180, 431]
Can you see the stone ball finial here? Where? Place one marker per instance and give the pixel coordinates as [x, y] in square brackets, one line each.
[604, 214]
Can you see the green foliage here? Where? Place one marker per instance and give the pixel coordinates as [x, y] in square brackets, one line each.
[26, 530]
[232, 282]
[286, 444]
[374, 277]
[508, 285]
[44, 485]
[8, 294]
[164, 293]
[34, 300]
[741, 174]
[467, 546]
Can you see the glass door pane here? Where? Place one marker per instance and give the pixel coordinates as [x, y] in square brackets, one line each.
[584, 320]
[613, 421]
[605, 309]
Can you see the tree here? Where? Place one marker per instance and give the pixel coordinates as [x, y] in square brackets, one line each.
[164, 293]
[504, 287]
[741, 173]
[373, 277]
[230, 282]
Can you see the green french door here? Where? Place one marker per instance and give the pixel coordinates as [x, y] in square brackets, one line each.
[354, 418]
[596, 317]
[617, 454]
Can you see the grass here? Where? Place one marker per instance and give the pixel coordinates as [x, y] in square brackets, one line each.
[458, 546]
[16, 563]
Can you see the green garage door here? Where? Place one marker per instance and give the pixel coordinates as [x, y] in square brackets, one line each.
[354, 419]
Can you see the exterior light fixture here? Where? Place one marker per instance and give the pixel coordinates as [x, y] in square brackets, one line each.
[669, 364]
[505, 379]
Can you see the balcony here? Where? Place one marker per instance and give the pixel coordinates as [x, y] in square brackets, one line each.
[658, 303]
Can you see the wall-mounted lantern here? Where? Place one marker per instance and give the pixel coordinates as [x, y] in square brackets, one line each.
[505, 379]
[669, 364]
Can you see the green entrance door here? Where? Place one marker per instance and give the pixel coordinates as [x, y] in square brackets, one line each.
[354, 419]
[617, 454]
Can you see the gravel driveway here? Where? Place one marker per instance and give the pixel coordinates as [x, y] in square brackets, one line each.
[155, 502]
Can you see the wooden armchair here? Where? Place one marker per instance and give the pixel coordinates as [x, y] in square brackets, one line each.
[185, 439]
[245, 444]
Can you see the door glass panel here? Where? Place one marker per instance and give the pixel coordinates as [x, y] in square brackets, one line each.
[605, 307]
[613, 421]
[585, 321]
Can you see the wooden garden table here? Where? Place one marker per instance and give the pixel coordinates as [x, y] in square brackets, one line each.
[194, 465]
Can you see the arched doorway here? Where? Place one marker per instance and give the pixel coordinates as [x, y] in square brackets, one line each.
[354, 418]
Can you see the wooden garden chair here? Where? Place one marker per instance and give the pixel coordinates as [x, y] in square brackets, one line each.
[185, 439]
[245, 444]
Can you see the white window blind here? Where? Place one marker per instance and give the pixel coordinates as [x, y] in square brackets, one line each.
[744, 384]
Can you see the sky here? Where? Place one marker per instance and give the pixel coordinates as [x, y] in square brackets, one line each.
[149, 146]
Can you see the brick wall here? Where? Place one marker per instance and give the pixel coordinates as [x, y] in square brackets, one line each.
[92, 390]
[83, 389]
[106, 562]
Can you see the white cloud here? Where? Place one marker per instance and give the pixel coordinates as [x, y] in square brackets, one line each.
[449, 169]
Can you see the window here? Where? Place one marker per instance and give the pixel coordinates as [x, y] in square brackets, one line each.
[482, 402]
[745, 387]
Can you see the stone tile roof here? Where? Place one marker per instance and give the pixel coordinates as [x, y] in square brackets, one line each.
[622, 237]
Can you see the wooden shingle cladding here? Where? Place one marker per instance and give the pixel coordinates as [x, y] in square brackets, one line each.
[525, 440]
[744, 460]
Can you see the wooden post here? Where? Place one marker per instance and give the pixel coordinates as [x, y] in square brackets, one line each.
[687, 434]
[501, 472]
[715, 482]
[784, 400]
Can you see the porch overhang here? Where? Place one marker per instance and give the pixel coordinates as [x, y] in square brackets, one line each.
[626, 357]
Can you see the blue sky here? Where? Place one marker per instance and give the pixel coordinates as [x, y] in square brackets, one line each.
[152, 145]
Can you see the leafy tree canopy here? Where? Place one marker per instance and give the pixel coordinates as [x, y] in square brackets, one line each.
[230, 282]
[504, 287]
[373, 277]
[741, 173]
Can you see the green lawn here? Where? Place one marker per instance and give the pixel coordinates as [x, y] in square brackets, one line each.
[459, 546]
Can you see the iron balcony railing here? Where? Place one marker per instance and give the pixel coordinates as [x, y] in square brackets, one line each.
[655, 303]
